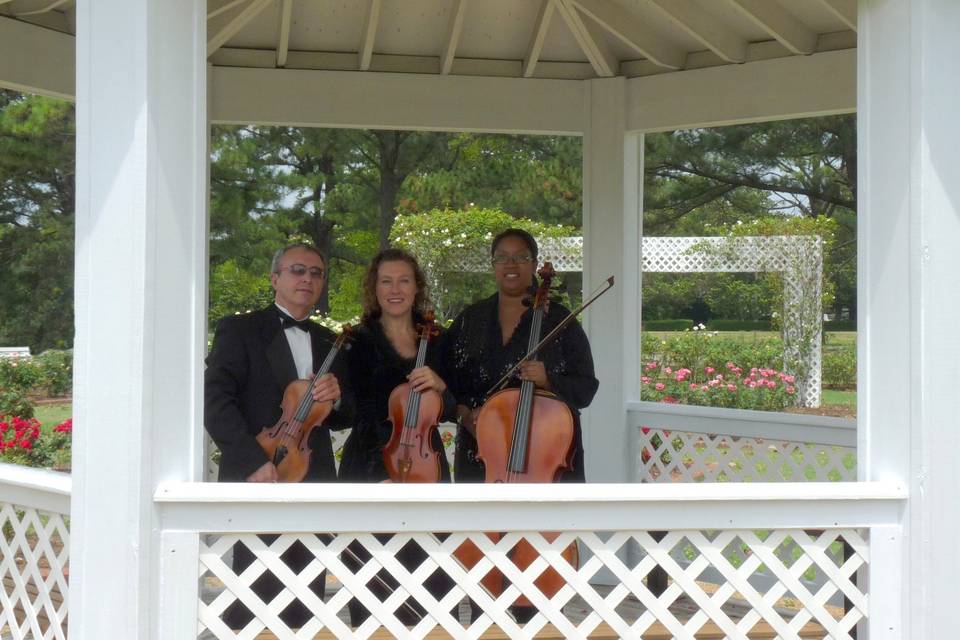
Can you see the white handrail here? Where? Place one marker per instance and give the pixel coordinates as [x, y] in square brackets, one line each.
[37, 488]
[591, 507]
[793, 427]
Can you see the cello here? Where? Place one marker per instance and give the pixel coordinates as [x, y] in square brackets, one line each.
[408, 456]
[285, 443]
[525, 435]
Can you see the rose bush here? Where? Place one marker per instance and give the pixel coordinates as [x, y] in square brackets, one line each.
[23, 442]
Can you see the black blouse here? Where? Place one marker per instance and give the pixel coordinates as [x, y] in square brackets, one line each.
[375, 370]
[476, 359]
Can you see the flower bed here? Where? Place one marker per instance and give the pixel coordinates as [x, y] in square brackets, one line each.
[23, 442]
[730, 386]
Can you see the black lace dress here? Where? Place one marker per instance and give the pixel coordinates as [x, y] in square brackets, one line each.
[376, 369]
[476, 358]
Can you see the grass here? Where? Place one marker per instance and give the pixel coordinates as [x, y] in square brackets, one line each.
[833, 396]
[52, 414]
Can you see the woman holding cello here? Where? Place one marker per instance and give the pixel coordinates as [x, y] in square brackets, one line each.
[383, 357]
[491, 336]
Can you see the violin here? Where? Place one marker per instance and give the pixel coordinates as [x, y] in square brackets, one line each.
[285, 443]
[408, 456]
[525, 435]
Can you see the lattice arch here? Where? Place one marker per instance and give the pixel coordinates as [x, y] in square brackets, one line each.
[798, 258]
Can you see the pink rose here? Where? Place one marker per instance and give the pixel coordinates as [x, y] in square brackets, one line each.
[659, 386]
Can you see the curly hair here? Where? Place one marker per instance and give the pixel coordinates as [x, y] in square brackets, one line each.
[371, 307]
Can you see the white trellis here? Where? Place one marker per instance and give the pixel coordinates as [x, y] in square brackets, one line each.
[798, 258]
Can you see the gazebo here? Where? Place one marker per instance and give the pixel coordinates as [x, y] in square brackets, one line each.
[145, 534]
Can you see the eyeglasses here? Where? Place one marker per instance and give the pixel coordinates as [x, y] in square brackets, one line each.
[520, 259]
[300, 270]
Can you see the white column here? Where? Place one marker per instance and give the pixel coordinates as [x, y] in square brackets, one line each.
[909, 240]
[612, 197]
[140, 287]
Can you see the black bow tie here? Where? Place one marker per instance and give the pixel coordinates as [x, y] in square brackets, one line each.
[287, 322]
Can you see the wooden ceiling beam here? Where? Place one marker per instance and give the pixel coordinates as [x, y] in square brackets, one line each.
[537, 37]
[283, 41]
[598, 53]
[846, 10]
[453, 35]
[772, 17]
[50, 7]
[368, 36]
[233, 26]
[218, 7]
[687, 15]
[630, 29]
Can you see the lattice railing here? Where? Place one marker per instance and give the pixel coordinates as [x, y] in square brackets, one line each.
[34, 553]
[670, 455]
[580, 608]
[731, 571]
[723, 445]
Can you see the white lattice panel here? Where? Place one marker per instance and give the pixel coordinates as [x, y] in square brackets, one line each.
[34, 554]
[668, 455]
[786, 557]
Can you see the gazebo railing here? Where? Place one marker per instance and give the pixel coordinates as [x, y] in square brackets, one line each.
[784, 530]
[34, 553]
[681, 443]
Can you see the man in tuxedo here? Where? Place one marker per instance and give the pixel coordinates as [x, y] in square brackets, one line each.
[253, 359]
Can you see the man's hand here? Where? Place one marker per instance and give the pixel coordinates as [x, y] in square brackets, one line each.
[423, 378]
[326, 389]
[266, 473]
[534, 371]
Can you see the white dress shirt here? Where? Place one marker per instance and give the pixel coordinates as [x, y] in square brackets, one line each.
[301, 346]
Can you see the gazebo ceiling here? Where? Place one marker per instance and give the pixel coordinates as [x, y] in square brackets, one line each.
[532, 38]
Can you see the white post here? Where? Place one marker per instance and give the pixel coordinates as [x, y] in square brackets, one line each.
[909, 239]
[612, 200]
[140, 283]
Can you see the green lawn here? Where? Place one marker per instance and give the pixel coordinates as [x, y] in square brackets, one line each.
[50, 415]
[832, 396]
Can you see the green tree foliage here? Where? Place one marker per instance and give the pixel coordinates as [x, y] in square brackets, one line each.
[702, 181]
[344, 190]
[36, 221]
[440, 237]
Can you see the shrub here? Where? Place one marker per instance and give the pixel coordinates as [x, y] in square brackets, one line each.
[739, 325]
[677, 324]
[840, 368]
[14, 402]
[18, 374]
[22, 442]
[840, 325]
[55, 372]
[726, 385]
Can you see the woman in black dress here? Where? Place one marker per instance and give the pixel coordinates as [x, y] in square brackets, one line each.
[491, 336]
[382, 357]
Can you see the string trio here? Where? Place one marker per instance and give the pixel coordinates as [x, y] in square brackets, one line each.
[400, 376]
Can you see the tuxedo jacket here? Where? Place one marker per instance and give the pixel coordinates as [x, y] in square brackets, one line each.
[248, 369]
